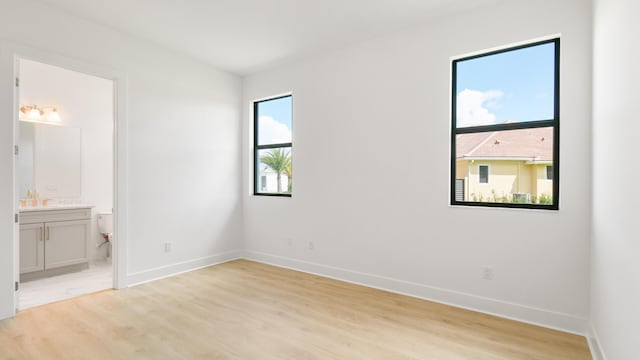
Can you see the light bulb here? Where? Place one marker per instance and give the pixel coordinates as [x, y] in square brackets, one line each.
[34, 114]
[53, 116]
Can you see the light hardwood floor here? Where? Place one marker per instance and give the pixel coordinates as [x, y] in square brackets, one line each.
[247, 310]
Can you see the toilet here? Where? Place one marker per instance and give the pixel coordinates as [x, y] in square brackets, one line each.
[105, 227]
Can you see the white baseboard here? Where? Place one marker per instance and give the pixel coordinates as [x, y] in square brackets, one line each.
[145, 276]
[594, 344]
[541, 317]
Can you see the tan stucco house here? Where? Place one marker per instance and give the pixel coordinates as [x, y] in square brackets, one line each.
[505, 166]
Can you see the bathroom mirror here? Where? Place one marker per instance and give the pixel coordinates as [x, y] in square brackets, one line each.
[49, 160]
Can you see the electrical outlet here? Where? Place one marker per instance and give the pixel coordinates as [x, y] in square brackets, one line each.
[167, 247]
[311, 245]
[289, 242]
[487, 273]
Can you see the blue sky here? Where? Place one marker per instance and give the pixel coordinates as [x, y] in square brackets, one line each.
[278, 109]
[274, 121]
[508, 87]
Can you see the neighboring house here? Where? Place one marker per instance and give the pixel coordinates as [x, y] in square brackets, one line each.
[505, 166]
[269, 180]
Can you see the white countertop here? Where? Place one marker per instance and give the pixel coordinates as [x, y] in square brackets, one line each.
[55, 207]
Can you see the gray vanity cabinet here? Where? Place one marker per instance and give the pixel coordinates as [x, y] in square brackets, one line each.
[52, 239]
[31, 248]
[66, 243]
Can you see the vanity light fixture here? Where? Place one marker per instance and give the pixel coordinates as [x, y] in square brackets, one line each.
[46, 114]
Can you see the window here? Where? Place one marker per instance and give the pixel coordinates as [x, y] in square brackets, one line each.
[263, 183]
[483, 171]
[272, 146]
[505, 121]
[459, 189]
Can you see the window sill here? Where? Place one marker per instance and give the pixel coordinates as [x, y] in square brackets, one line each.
[272, 195]
[485, 205]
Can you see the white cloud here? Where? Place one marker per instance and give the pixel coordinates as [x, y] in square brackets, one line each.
[272, 131]
[473, 107]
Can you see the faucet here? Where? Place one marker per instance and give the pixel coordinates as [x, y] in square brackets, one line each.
[32, 194]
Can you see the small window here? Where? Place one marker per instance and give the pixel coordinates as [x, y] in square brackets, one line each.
[505, 119]
[549, 172]
[263, 183]
[460, 189]
[273, 146]
[483, 171]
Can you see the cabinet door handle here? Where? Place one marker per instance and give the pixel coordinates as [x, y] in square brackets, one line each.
[41, 234]
[47, 232]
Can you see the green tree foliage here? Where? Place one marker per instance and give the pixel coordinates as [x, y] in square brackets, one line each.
[287, 171]
[278, 160]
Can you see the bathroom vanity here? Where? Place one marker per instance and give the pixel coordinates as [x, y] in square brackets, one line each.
[54, 240]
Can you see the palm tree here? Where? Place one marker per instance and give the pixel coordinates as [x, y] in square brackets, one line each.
[287, 171]
[277, 160]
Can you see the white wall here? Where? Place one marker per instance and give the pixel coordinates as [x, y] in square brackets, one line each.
[183, 142]
[377, 113]
[615, 287]
[84, 102]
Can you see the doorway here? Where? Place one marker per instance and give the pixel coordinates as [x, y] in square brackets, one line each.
[65, 183]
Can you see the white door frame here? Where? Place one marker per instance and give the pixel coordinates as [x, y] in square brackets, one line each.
[120, 150]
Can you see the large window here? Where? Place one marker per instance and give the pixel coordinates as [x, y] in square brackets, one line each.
[505, 127]
[272, 147]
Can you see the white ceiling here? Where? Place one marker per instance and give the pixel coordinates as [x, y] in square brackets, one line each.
[245, 36]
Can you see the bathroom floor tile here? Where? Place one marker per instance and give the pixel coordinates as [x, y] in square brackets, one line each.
[99, 276]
